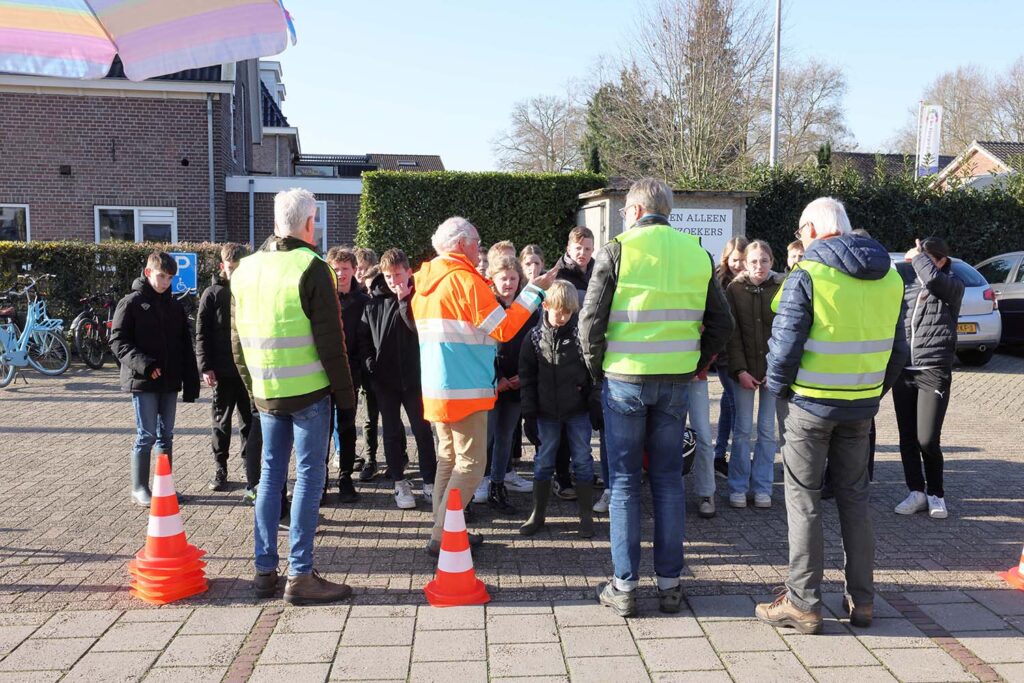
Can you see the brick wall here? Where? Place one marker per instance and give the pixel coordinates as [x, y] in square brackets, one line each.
[342, 211]
[122, 151]
[273, 156]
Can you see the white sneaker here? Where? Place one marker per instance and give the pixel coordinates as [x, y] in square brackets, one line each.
[428, 493]
[602, 503]
[738, 500]
[516, 484]
[762, 500]
[937, 507]
[915, 502]
[403, 495]
[481, 491]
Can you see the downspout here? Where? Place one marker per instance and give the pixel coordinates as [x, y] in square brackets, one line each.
[209, 165]
[252, 214]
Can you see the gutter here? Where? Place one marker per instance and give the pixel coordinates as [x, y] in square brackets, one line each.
[209, 166]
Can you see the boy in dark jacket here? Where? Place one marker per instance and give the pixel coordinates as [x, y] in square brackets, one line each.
[213, 351]
[556, 390]
[391, 360]
[352, 300]
[150, 336]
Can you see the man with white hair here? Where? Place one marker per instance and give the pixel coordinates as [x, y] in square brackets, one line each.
[837, 346]
[289, 345]
[460, 322]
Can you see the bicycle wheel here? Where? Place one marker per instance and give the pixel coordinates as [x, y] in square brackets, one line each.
[6, 368]
[48, 353]
[89, 343]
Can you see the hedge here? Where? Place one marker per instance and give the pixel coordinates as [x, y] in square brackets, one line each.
[83, 268]
[403, 209]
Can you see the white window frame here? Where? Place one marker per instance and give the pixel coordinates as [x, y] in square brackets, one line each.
[322, 223]
[137, 210]
[28, 218]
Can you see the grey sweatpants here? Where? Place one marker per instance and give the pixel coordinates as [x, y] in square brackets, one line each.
[811, 443]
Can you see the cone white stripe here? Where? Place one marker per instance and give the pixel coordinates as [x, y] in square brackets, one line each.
[454, 521]
[163, 485]
[160, 527]
[455, 563]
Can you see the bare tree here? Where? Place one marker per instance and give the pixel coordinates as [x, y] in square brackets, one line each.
[544, 136]
[811, 112]
[1008, 103]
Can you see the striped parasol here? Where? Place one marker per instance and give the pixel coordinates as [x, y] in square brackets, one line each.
[79, 38]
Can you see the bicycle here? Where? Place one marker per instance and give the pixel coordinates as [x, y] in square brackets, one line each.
[91, 332]
[40, 345]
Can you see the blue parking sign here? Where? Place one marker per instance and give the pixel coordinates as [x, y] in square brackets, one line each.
[185, 280]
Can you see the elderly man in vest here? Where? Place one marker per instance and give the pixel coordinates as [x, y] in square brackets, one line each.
[460, 322]
[654, 315]
[289, 346]
[837, 345]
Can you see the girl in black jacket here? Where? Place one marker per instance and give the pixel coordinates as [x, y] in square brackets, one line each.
[921, 394]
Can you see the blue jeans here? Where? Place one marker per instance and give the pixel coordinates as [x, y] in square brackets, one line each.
[727, 411]
[743, 477]
[154, 421]
[638, 417]
[699, 410]
[501, 428]
[309, 431]
[577, 430]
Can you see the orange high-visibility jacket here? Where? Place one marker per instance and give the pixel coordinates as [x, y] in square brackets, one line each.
[460, 322]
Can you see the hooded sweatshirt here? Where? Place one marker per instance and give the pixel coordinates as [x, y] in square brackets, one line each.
[460, 322]
[859, 257]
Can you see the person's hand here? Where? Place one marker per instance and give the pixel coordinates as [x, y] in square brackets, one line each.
[596, 416]
[504, 385]
[514, 382]
[747, 381]
[914, 251]
[155, 374]
[402, 289]
[210, 378]
[544, 281]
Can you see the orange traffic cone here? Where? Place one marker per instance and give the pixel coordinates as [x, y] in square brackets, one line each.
[455, 583]
[168, 568]
[1015, 575]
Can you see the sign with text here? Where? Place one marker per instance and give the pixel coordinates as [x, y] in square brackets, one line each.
[712, 226]
[185, 280]
[929, 132]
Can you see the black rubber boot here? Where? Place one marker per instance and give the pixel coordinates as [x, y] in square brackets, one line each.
[541, 495]
[141, 494]
[585, 501]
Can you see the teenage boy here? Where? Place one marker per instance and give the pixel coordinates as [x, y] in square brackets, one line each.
[794, 254]
[366, 267]
[213, 351]
[391, 360]
[352, 300]
[150, 336]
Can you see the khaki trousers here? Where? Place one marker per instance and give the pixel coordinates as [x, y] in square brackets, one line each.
[461, 460]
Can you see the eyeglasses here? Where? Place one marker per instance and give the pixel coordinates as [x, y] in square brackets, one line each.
[623, 210]
[800, 230]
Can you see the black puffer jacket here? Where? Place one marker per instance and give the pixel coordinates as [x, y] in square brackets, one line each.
[388, 342]
[150, 331]
[352, 306]
[553, 379]
[933, 305]
[571, 272]
[507, 361]
[213, 330]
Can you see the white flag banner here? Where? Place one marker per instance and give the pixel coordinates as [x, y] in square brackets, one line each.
[929, 130]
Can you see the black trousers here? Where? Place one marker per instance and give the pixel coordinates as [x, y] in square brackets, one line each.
[229, 394]
[372, 417]
[921, 398]
[344, 437]
[391, 402]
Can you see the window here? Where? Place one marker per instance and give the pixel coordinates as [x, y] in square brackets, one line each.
[315, 171]
[14, 224]
[320, 222]
[998, 269]
[231, 126]
[136, 224]
[407, 163]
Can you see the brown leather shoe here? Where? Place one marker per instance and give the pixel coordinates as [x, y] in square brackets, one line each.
[782, 612]
[313, 589]
[860, 615]
[265, 584]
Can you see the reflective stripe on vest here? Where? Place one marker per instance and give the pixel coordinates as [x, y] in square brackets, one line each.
[274, 332]
[658, 305]
[850, 339]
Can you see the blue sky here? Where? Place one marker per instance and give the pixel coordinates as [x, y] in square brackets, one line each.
[441, 77]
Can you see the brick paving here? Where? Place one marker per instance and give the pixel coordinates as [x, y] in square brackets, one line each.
[67, 530]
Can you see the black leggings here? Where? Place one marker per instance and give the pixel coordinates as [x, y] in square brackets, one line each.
[921, 398]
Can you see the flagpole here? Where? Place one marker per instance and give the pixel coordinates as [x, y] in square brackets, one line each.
[773, 145]
[917, 147]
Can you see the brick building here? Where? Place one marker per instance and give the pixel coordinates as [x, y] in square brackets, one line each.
[193, 156]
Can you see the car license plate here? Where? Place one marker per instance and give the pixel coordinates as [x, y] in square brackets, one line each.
[967, 328]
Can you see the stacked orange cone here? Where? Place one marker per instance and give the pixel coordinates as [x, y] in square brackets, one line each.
[1015, 575]
[455, 583]
[168, 568]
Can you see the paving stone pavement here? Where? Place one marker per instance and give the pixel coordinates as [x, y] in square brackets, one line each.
[67, 530]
